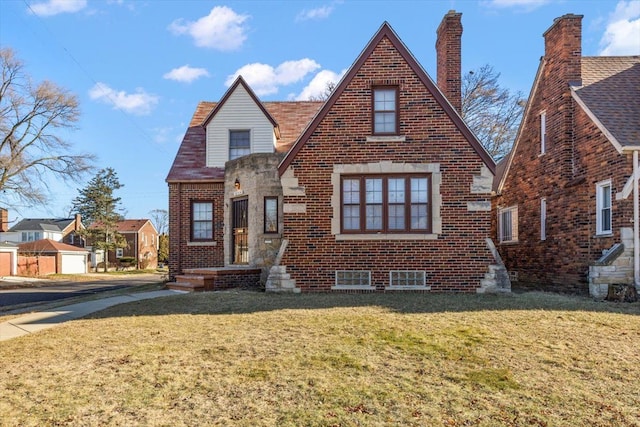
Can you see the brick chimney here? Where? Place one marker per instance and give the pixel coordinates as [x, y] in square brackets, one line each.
[449, 57]
[562, 68]
[4, 220]
[563, 48]
[77, 222]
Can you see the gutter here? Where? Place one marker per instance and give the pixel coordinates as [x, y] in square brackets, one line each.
[636, 222]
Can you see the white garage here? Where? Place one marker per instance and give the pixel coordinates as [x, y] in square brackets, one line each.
[68, 259]
[74, 262]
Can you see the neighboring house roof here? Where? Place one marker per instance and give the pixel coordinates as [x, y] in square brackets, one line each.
[501, 168]
[610, 94]
[128, 225]
[133, 225]
[190, 162]
[386, 31]
[48, 246]
[42, 224]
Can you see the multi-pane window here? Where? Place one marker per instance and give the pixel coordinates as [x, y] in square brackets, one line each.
[30, 236]
[508, 224]
[603, 207]
[385, 110]
[119, 252]
[407, 278]
[372, 204]
[202, 221]
[353, 278]
[270, 214]
[543, 132]
[239, 143]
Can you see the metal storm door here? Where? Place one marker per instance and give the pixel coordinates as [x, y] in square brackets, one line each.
[240, 232]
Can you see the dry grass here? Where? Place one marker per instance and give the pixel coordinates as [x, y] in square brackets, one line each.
[251, 359]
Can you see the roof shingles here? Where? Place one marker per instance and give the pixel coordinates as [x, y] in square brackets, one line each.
[611, 90]
[190, 162]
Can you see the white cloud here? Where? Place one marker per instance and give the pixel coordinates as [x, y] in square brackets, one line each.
[139, 103]
[317, 13]
[527, 5]
[54, 7]
[622, 36]
[318, 85]
[265, 79]
[186, 74]
[222, 29]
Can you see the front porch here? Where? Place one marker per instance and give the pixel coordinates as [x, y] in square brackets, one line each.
[216, 279]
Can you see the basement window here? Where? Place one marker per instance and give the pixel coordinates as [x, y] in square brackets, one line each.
[407, 279]
[353, 279]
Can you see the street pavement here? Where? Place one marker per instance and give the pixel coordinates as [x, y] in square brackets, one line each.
[37, 321]
[18, 291]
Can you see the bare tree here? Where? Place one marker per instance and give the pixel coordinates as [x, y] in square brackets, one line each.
[328, 90]
[30, 150]
[160, 218]
[493, 113]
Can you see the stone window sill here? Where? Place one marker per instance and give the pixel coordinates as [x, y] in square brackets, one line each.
[353, 288]
[211, 243]
[386, 236]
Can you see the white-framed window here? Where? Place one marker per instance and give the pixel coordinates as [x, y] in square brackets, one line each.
[30, 236]
[385, 110]
[407, 278]
[543, 132]
[603, 207]
[508, 224]
[353, 278]
[239, 143]
[119, 252]
[543, 219]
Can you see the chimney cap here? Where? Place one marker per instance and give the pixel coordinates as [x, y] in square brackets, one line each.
[562, 18]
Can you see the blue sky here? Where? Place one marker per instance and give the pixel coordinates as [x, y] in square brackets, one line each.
[140, 67]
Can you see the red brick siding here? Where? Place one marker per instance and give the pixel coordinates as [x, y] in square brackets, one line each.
[181, 255]
[577, 157]
[458, 259]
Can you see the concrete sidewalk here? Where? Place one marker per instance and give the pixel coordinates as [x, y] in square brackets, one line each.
[35, 322]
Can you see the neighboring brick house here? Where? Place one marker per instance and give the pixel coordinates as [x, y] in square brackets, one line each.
[64, 230]
[385, 187]
[564, 210]
[142, 243]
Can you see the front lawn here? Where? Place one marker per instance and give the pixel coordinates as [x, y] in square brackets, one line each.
[252, 359]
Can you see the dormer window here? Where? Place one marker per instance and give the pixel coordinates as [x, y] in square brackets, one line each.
[239, 143]
[385, 110]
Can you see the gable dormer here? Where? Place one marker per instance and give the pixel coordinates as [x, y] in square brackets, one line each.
[238, 126]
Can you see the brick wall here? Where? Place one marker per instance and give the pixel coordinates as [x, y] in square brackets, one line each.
[458, 258]
[577, 157]
[183, 253]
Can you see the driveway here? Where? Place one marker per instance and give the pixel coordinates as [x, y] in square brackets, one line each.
[21, 291]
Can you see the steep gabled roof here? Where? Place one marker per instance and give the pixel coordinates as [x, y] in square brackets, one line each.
[386, 31]
[127, 225]
[48, 246]
[239, 82]
[43, 224]
[190, 161]
[610, 95]
[502, 173]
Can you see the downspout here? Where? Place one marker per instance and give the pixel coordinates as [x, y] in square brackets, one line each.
[636, 222]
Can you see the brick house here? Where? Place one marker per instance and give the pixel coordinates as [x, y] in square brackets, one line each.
[142, 243]
[566, 209]
[383, 188]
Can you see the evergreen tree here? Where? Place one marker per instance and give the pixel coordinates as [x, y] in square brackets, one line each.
[100, 209]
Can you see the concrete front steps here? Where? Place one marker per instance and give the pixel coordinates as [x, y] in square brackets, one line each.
[496, 280]
[280, 281]
[216, 278]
